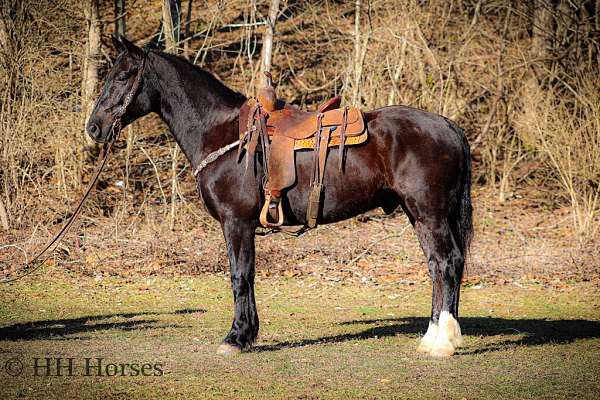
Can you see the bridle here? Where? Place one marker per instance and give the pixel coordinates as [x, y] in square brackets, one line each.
[117, 124]
[38, 261]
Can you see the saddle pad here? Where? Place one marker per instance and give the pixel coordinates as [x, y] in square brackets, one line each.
[333, 141]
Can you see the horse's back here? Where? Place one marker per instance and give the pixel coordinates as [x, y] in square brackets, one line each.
[408, 151]
[414, 127]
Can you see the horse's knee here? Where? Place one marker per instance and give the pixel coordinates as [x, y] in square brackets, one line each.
[456, 265]
[451, 271]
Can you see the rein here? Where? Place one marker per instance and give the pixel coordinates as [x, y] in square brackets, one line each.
[38, 261]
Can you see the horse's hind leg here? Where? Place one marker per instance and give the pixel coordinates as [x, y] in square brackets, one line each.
[446, 264]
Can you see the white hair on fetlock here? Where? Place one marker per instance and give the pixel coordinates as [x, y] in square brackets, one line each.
[429, 338]
[449, 336]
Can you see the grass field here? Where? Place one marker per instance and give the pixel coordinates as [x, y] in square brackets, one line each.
[318, 339]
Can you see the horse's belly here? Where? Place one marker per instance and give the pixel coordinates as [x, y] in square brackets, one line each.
[346, 193]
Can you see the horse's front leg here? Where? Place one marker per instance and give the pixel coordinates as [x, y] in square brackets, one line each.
[239, 237]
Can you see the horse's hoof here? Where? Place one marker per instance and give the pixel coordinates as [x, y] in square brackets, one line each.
[458, 341]
[449, 331]
[226, 349]
[424, 347]
[442, 351]
[427, 341]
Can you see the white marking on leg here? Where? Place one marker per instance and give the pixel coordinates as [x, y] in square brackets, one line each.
[226, 349]
[458, 340]
[427, 341]
[449, 336]
[451, 328]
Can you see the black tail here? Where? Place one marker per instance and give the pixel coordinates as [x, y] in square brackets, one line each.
[465, 208]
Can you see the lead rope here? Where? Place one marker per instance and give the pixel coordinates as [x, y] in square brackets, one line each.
[37, 262]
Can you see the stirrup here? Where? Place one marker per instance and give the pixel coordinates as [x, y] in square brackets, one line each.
[264, 221]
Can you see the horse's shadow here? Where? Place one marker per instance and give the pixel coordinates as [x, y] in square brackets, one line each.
[66, 329]
[511, 332]
[523, 332]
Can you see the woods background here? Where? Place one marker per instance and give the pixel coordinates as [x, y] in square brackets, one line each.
[522, 79]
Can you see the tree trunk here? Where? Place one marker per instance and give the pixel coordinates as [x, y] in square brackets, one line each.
[3, 217]
[266, 54]
[91, 62]
[9, 55]
[597, 12]
[356, 69]
[188, 33]
[120, 10]
[4, 43]
[171, 24]
[542, 28]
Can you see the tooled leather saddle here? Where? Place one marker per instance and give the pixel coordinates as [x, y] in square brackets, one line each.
[278, 129]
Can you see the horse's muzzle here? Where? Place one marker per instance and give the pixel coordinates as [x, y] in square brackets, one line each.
[95, 132]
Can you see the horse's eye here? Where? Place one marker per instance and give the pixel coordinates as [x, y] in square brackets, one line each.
[122, 78]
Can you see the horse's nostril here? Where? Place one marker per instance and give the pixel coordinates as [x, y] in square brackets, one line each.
[93, 130]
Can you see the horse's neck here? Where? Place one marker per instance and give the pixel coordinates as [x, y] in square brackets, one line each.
[196, 107]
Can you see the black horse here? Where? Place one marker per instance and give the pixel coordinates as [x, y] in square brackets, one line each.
[413, 159]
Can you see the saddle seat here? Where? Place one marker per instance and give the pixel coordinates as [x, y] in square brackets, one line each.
[331, 104]
[292, 122]
[281, 129]
[297, 124]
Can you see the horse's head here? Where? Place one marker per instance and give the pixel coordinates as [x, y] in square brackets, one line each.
[121, 84]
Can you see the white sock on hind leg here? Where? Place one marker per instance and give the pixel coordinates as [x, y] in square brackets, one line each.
[449, 327]
[427, 341]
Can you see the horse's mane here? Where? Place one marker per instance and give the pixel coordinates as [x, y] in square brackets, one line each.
[202, 76]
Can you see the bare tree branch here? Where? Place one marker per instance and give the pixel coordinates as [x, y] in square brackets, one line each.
[120, 13]
[267, 49]
[91, 61]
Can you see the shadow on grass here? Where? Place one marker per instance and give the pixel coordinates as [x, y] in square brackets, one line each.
[522, 332]
[60, 329]
[530, 332]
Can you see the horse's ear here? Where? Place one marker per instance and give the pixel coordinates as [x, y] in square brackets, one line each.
[122, 44]
[131, 48]
[116, 41]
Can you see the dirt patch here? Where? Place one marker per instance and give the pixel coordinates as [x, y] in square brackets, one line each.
[515, 241]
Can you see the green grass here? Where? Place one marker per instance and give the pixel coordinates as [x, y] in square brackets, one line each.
[318, 340]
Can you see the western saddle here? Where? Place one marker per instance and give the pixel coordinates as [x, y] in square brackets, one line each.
[281, 129]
